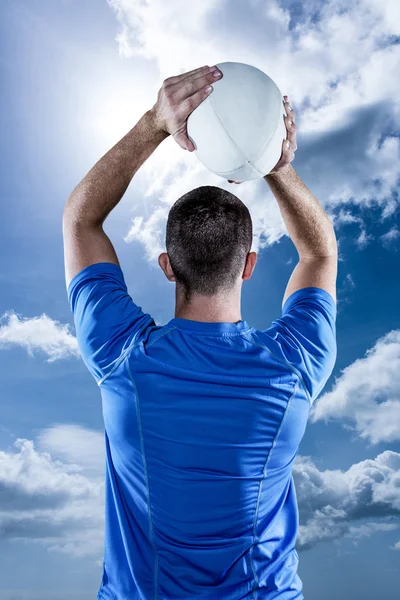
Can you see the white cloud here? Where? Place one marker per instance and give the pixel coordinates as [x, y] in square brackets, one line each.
[353, 503]
[357, 532]
[345, 292]
[349, 281]
[374, 181]
[363, 239]
[389, 238]
[149, 232]
[45, 500]
[367, 393]
[345, 217]
[338, 69]
[37, 333]
[152, 29]
[72, 443]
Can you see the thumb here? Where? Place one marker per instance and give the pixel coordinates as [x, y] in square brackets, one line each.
[183, 141]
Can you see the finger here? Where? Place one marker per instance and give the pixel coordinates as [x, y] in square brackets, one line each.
[213, 70]
[184, 141]
[286, 158]
[287, 152]
[289, 109]
[177, 78]
[189, 87]
[188, 105]
[293, 141]
[291, 129]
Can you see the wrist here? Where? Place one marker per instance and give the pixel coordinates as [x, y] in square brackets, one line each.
[156, 124]
[282, 172]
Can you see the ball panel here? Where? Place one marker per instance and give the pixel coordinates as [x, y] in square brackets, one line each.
[244, 173]
[213, 146]
[272, 151]
[247, 92]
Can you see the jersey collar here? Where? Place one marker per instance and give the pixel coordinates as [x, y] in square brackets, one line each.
[207, 327]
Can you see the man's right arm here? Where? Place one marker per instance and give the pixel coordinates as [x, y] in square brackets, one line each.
[311, 231]
[307, 223]
[306, 333]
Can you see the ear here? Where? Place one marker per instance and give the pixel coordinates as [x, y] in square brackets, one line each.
[250, 264]
[163, 261]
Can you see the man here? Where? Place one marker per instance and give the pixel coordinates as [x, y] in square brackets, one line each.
[203, 416]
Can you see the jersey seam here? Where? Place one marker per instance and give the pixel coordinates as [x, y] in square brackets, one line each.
[125, 353]
[100, 595]
[285, 362]
[118, 361]
[265, 472]
[160, 336]
[151, 531]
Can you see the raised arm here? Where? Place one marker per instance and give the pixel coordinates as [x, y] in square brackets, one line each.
[105, 316]
[85, 242]
[308, 225]
[305, 335]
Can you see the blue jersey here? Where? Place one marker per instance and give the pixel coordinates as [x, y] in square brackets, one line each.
[202, 424]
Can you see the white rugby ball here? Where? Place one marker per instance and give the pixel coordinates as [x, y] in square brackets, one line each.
[238, 130]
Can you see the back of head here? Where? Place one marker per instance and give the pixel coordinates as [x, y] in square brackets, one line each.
[208, 237]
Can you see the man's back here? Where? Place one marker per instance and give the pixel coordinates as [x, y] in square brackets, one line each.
[203, 417]
[202, 425]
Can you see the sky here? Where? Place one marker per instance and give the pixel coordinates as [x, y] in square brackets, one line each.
[75, 77]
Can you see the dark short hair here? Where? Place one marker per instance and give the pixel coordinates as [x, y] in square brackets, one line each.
[208, 237]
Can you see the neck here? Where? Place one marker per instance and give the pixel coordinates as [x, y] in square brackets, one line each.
[209, 309]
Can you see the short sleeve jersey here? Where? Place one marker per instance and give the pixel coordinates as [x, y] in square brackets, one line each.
[202, 424]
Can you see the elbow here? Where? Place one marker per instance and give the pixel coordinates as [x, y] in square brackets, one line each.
[75, 215]
[67, 217]
[326, 248]
[328, 244]
[71, 217]
[333, 247]
[72, 208]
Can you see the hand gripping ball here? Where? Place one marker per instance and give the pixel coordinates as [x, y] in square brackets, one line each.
[238, 130]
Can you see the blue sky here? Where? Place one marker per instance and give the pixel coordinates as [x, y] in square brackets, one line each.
[75, 77]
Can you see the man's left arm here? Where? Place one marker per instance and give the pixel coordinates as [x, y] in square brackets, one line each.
[85, 241]
[103, 187]
[106, 318]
